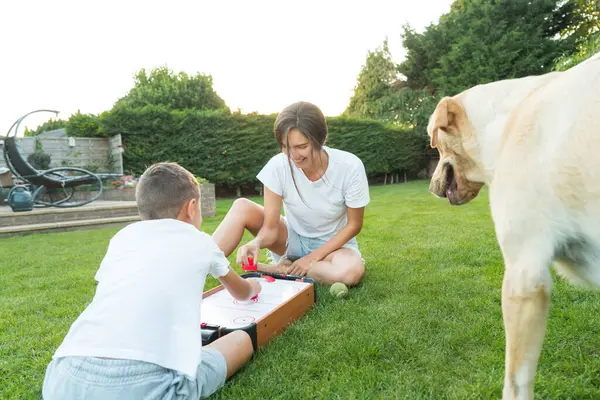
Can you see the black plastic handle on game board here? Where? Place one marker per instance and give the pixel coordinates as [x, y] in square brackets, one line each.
[210, 333]
[284, 277]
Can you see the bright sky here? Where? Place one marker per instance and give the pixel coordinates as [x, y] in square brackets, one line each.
[263, 55]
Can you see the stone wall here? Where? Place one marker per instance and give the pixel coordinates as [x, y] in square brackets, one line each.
[208, 200]
[96, 154]
[207, 197]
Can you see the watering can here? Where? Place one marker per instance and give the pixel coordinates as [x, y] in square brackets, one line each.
[20, 199]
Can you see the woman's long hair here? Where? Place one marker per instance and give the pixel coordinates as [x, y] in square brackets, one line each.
[310, 121]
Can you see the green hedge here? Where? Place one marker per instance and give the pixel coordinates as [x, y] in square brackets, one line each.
[383, 149]
[231, 148]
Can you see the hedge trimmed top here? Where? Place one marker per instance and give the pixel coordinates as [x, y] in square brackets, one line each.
[231, 148]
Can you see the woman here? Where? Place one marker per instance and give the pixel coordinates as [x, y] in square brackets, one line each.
[324, 193]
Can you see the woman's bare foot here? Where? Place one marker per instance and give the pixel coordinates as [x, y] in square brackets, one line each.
[282, 268]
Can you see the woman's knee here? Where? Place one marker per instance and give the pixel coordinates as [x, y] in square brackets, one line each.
[249, 213]
[351, 271]
[354, 274]
[246, 209]
[242, 205]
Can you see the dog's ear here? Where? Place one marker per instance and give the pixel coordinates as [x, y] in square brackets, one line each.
[444, 117]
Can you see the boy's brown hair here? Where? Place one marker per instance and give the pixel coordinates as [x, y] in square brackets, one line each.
[163, 190]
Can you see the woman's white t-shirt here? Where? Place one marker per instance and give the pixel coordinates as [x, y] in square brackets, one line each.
[344, 185]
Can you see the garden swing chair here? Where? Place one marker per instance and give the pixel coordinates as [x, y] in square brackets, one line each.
[36, 181]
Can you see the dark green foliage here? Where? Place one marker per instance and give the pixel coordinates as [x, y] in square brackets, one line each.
[50, 125]
[39, 160]
[476, 42]
[161, 86]
[480, 41]
[382, 148]
[84, 125]
[221, 147]
[230, 149]
[374, 84]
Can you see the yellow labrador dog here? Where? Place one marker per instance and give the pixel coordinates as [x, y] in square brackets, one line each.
[535, 142]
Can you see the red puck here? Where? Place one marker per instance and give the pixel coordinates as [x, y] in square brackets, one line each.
[250, 266]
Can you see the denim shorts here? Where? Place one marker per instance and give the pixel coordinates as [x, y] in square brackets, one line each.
[298, 246]
[91, 378]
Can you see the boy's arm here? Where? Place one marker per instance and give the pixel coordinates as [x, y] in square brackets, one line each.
[240, 288]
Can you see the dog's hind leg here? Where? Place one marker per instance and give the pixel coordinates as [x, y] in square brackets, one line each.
[525, 301]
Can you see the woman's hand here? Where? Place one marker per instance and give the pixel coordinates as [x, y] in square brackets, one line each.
[250, 249]
[302, 265]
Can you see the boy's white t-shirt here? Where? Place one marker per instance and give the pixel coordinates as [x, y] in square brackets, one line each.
[343, 185]
[147, 302]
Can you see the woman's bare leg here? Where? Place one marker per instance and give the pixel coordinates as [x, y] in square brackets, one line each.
[245, 214]
[343, 265]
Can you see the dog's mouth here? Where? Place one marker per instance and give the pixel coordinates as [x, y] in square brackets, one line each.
[451, 185]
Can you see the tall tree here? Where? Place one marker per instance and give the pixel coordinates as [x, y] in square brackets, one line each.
[480, 41]
[374, 83]
[577, 19]
[161, 86]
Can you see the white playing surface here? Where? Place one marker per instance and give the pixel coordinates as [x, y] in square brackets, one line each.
[223, 310]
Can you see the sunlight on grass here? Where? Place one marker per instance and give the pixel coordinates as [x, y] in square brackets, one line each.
[425, 323]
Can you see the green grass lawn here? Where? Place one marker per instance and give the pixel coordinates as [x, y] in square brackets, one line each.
[425, 323]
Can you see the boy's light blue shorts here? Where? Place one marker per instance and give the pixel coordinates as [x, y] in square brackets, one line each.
[92, 378]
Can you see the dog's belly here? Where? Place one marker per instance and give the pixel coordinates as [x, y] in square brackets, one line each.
[578, 260]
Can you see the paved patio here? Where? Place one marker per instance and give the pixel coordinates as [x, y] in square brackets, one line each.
[99, 213]
[96, 205]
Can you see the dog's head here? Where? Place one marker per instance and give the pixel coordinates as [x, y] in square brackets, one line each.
[452, 135]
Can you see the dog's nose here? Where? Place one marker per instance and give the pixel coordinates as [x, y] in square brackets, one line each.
[435, 190]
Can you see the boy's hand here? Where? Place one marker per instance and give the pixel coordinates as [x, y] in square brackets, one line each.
[240, 288]
[249, 249]
[256, 287]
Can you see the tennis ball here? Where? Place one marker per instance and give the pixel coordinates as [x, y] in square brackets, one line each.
[338, 290]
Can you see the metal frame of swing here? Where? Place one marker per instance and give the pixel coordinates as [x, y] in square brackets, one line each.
[52, 178]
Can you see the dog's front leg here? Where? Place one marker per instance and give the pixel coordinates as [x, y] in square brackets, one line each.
[525, 300]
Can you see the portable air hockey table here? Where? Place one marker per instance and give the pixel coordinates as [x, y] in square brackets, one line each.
[282, 301]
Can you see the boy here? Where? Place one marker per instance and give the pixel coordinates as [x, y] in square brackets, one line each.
[140, 336]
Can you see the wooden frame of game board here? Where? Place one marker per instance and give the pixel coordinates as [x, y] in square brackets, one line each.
[275, 322]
